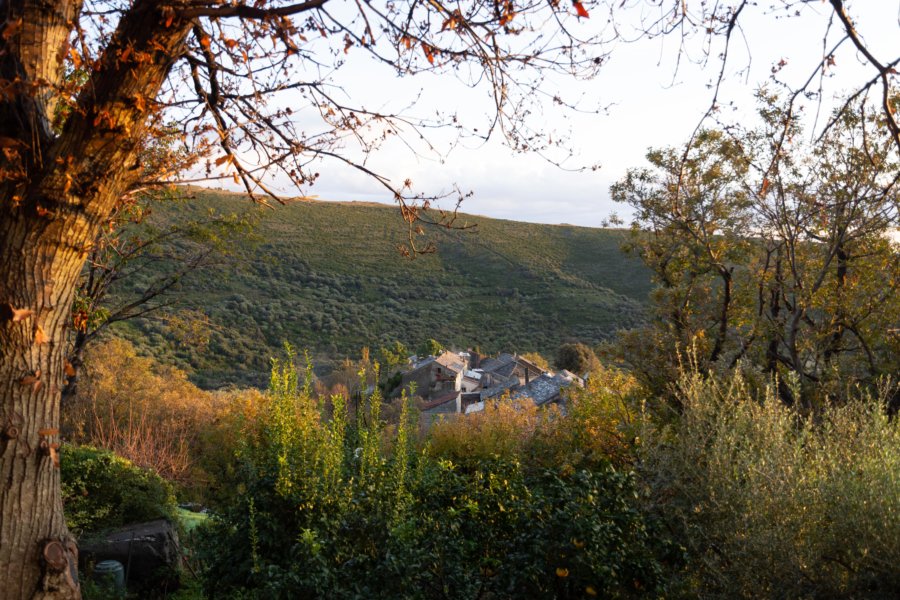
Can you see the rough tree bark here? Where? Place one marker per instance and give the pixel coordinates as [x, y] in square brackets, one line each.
[55, 192]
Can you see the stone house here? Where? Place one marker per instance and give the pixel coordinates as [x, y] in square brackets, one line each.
[434, 376]
[547, 389]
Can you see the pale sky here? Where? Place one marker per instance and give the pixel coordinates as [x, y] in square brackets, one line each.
[649, 107]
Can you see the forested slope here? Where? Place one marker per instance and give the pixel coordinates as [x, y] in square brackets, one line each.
[328, 277]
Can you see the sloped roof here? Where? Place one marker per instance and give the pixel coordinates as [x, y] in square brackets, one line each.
[505, 365]
[451, 361]
[443, 399]
[524, 362]
[499, 389]
[545, 388]
[421, 363]
[476, 375]
[541, 389]
[491, 365]
[447, 360]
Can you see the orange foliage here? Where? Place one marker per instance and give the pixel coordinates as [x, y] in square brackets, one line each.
[146, 412]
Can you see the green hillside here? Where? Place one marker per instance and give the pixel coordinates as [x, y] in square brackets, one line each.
[328, 277]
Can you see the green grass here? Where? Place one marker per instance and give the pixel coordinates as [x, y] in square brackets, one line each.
[328, 277]
[189, 519]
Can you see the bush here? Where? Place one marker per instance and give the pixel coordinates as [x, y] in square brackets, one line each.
[598, 424]
[603, 420]
[577, 358]
[104, 491]
[503, 430]
[220, 441]
[494, 530]
[774, 504]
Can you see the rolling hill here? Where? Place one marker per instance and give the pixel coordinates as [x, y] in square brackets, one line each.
[327, 277]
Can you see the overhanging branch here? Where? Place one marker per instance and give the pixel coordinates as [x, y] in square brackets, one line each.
[242, 11]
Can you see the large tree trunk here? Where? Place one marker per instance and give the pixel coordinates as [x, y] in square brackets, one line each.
[37, 275]
[55, 193]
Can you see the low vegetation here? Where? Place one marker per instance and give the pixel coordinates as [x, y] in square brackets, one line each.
[325, 504]
[103, 491]
[144, 411]
[731, 495]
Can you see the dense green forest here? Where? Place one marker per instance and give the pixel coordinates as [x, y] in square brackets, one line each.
[328, 277]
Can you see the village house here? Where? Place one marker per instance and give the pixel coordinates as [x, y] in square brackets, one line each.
[508, 367]
[434, 376]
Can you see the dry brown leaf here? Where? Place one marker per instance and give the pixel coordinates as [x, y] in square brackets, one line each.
[19, 314]
[11, 29]
[29, 379]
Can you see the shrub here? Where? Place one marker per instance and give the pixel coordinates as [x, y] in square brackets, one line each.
[308, 489]
[430, 347]
[577, 358]
[104, 491]
[220, 441]
[496, 530]
[774, 504]
[502, 430]
[603, 420]
[598, 424]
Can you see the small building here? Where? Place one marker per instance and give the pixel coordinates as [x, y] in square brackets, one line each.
[445, 406]
[470, 399]
[503, 387]
[471, 380]
[434, 377]
[449, 403]
[453, 384]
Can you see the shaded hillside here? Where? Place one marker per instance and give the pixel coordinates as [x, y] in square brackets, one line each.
[328, 277]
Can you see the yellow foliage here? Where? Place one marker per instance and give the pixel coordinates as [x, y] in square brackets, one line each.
[597, 423]
[502, 430]
[604, 415]
[537, 359]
